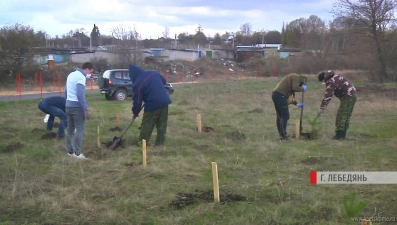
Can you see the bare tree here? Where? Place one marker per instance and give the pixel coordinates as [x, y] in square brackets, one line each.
[246, 29]
[370, 18]
[316, 30]
[127, 42]
[166, 32]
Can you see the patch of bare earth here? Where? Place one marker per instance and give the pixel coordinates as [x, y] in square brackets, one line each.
[185, 199]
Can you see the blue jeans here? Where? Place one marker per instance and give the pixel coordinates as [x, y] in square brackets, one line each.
[76, 120]
[54, 111]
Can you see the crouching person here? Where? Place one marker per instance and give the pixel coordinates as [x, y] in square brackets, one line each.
[55, 107]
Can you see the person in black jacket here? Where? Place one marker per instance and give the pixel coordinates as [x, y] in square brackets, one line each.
[55, 107]
[148, 87]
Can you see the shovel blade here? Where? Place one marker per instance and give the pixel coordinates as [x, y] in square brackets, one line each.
[115, 143]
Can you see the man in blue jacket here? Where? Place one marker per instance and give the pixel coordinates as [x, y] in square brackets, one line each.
[148, 87]
[55, 106]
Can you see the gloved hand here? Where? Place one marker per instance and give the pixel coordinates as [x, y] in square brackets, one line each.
[300, 105]
[135, 112]
[320, 112]
[304, 87]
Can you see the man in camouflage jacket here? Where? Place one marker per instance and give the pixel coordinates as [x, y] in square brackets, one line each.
[339, 86]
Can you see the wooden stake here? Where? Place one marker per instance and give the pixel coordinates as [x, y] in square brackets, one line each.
[215, 181]
[144, 153]
[117, 119]
[199, 122]
[99, 140]
[297, 129]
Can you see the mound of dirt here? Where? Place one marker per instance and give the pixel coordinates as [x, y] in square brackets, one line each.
[207, 129]
[12, 147]
[116, 128]
[236, 136]
[109, 143]
[49, 135]
[185, 199]
[307, 136]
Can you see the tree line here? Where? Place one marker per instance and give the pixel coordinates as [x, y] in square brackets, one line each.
[362, 35]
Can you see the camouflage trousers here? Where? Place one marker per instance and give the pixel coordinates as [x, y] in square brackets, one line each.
[158, 118]
[344, 113]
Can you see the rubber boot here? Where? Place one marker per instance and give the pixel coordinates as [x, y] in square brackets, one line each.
[343, 134]
[339, 135]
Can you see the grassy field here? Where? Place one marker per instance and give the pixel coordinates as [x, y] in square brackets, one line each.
[262, 180]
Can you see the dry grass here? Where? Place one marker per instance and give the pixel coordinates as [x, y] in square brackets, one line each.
[40, 184]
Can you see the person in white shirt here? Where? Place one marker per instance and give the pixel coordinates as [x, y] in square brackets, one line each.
[77, 108]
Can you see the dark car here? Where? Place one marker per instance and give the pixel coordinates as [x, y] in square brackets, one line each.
[116, 84]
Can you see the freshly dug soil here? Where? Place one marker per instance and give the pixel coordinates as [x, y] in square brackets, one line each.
[185, 199]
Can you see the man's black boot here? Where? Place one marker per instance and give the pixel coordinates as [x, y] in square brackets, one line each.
[339, 135]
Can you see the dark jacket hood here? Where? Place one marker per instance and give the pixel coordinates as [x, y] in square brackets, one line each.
[135, 71]
[329, 74]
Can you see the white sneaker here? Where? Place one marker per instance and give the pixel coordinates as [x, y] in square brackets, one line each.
[81, 156]
[70, 154]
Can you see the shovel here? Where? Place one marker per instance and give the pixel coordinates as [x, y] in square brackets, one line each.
[117, 141]
[306, 135]
[300, 120]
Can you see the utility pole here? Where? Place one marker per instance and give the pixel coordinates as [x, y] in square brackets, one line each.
[233, 39]
[175, 42]
[90, 43]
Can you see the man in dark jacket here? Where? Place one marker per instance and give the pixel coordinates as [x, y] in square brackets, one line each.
[283, 96]
[55, 106]
[148, 87]
[339, 86]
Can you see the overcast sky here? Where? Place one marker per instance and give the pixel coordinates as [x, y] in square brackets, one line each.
[150, 17]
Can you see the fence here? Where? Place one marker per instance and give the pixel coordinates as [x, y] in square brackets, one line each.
[36, 86]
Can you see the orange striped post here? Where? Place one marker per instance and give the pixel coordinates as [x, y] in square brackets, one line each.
[59, 84]
[53, 81]
[41, 84]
